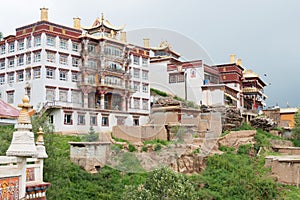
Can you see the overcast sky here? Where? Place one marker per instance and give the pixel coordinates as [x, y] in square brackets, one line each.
[265, 34]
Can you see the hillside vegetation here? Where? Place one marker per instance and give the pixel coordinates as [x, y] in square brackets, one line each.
[227, 176]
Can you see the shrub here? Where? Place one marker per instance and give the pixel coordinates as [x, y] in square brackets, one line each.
[244, 149]
[131, 148]
[158, 92]
[226, 149]
[144, 148]
[244, 126]
[162, 184]
[157, 147]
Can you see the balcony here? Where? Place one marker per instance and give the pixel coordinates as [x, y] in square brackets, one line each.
[113, 71]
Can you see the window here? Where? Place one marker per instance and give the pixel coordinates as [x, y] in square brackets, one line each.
[37, 41]
[136, 103]
[20, 60]
[21, 45]
[63, 44]
[2, 79]
[92, 64]
[28, 91]
[51, 57]
[20, 76]
[63, 59]
[145, 104]
[28, 58]
[63, 95]
[76, 97]
[75, 47]
[11, 47]
[144, 61]
[74, 76]
[11, 62]
[68, 119]
[28, 42]
[50, 73]
[2, 64]
[172, 78]
[3, 49]
[81, 119]
[37, 57]
[50, 41]
[11, 77]
[63, 75]
[10, 96]
[113, 51]
[50, 94]
[105, 121]
[75, 62]
[145, 88]
[136, 86]
[36, 73]
[180, 78]
[51, 119]
[91, 48]
[136, 122]
[136, 60]
[145, 75]
[136, 73]
[91, 79]
[93, 120]
[28, 75]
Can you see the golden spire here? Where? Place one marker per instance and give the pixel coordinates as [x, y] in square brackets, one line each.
[102, 17]
[40, 138]
[24, 116]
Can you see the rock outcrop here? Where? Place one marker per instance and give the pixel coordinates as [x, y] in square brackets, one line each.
[237, 138]
[264, 123]
[231, 116]
[166, 101]
[189, 164]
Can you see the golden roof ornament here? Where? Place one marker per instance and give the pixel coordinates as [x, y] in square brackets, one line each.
[40, 138]
[24, 117]
[164, 44]
[41, 149]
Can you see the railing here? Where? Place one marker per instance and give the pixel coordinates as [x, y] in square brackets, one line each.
[55, 103]
[113, 70]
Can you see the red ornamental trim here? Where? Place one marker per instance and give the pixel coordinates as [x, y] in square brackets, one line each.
[102, 91]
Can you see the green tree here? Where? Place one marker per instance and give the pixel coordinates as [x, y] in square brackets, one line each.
[1, 35]
[162, 184]
[296, 129]
[92, 135]
[41, 119]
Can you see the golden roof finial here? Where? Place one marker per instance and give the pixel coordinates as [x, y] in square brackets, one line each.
[40, 138]
[24, 116]
[102, 17]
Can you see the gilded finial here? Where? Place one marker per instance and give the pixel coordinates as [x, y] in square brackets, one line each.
[24, 116]
[102, 17]
[40, 138]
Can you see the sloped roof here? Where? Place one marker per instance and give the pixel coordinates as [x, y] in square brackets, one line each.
[7, 111]
[103, 22]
